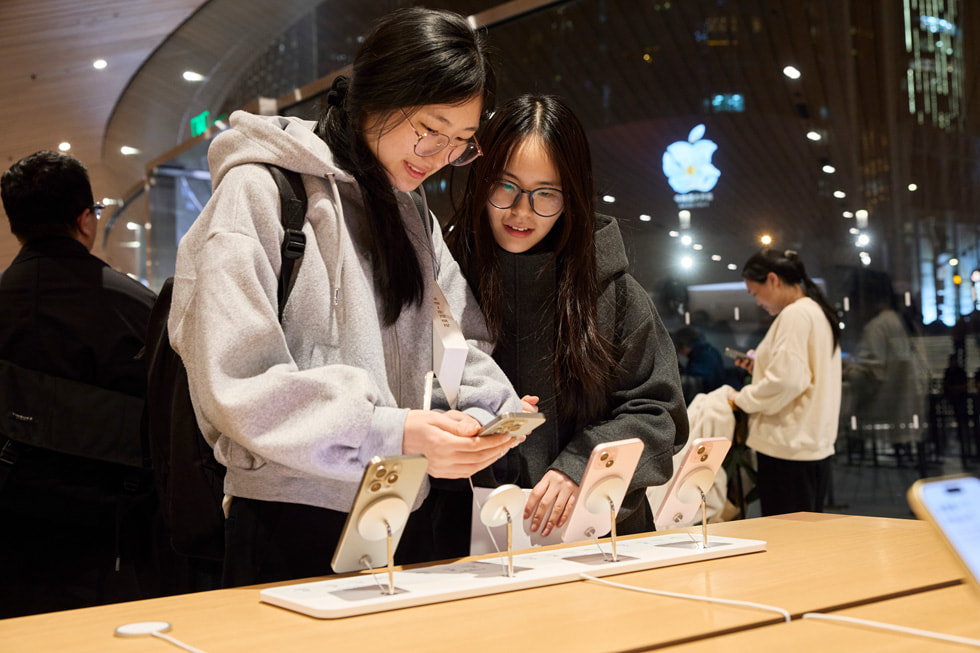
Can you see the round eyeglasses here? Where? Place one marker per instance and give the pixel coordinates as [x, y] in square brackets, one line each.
[432, 143]
[546, 202]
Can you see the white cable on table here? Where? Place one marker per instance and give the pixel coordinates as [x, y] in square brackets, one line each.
[695, 597]
[900, 629]
[177, 642]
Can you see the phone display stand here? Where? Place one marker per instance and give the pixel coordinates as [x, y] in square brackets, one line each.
[693, 489]
[378, 521]
[600, 499]
[356, 594]
[499, 508]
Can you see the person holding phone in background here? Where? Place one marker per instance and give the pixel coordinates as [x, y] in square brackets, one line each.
[794, 398]
[571, 326]
[296, 410]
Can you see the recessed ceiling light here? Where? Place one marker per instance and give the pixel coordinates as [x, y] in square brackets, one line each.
[792, 72]
[813, 136]
[645, 218]
[64, 146]
[608, 199]
[192, 76]
[99, 64]
[128, 151]
[839, 194]
[732, 266]
[829, 169]
[715, 257]
[913, 187]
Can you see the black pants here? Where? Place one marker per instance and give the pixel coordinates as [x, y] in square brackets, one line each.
[269, 541]
[792, 485]
[74, 533]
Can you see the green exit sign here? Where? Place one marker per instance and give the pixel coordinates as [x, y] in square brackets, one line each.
[200, 122]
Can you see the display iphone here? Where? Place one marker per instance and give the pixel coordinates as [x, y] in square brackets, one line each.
[736, 354]
[696, 472]
[397, 477]
[952, 505]
[514, 424]
[609, 472]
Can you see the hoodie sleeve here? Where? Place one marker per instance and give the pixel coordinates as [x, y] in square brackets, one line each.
[646, 402]
[244, 381]
[485, 390]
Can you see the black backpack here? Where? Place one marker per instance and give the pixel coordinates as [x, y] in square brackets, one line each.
[190, 482]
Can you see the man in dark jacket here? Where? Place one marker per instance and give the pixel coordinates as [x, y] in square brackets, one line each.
[705, 368]
[75, 497]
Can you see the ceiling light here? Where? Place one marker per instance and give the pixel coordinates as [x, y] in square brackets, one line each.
[813, 136]
[715, 257]
[854, 231]
[192, 76]
[608, 199]
[673, 234]
[792, 72]
[645, 218]
[128, 151]
[954, 262]
[913, 187]
[765, 240]
[839, 194]
[686, 240]
[697, 246]
[732, 266]
[847, 214]
[829, 169]
[64, 146]
[687, 262]
[863, 240]
[99, 64]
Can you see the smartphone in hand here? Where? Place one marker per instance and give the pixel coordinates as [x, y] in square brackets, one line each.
[736, 354]
[513, 424]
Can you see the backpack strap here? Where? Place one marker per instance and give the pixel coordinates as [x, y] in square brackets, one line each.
[292, 196]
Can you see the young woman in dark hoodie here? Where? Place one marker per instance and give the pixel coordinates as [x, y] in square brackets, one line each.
[570, 325]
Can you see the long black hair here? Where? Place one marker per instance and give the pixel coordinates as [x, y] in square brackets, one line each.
[787, 265]
[411, 58]
[584, 359]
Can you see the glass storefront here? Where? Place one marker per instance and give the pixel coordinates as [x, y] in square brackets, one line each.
[845, 130]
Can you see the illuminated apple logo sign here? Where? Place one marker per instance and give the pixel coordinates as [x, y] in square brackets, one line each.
[687, 165]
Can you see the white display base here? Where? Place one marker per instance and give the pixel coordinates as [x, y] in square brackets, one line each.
[354, 595]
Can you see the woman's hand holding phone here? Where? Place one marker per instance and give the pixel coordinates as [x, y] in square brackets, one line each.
[448, 440]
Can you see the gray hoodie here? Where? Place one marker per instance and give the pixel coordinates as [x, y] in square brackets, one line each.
[296, 411]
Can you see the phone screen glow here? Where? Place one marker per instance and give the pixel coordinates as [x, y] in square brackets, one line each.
[955, 505]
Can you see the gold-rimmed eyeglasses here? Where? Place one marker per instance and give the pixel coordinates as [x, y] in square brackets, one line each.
[431, 143]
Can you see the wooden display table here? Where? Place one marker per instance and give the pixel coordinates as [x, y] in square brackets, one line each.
[813, 563]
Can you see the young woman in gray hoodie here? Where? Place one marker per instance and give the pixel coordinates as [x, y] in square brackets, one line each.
[295, 410]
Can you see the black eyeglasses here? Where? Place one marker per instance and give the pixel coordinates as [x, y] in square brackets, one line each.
[97, 209]
[431, 143]
[546, 202]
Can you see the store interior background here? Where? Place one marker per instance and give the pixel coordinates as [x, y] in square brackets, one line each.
[866, 157]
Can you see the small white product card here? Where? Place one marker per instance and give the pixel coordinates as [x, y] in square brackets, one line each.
[449, 347]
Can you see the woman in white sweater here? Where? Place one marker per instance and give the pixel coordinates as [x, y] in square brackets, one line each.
[794, 398]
